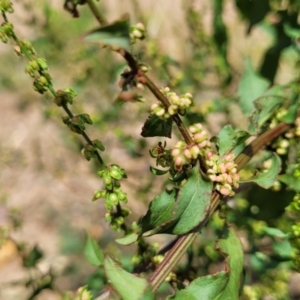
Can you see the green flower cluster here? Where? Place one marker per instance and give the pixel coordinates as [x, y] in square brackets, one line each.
[6, 6]
[137, 32]
[178, 104]
[113, 194]
[147, 252]
[83, 293]
[294, 207]
[6, 31]
[38, 69]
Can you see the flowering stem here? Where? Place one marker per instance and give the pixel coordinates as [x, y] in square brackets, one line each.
[54, 93]
[184, 242]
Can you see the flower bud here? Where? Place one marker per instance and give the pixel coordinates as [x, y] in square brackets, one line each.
[200, 137]
[175, 152]
[113, 197]
[195, 151]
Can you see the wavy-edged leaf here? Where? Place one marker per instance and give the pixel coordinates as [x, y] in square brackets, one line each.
[192, 203]
[93, 252]
[266, 105]
[208, 287]
[229, 138]
[251, 86]
[230, 245]
[266, 180]
[159, 214]
[154, 126]
[127, 239]
[223, 285]
[115, 34]
[291, 181]
[291, 115]
[158, 172]
[127, 285]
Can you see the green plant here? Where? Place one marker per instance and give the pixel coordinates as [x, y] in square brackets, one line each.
[206, 173]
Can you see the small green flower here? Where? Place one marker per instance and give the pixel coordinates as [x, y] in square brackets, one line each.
[6, 6]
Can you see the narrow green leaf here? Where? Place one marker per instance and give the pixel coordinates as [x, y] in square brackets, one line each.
[159, 214]
[92, 252]
[158, 172]
[229, 138]
[251, 87]
[291, 32]
[291, 115]
[193, 201]
[274, 232]
[208, 287]
[266, 180]
[154, 126]
[127, 285]
[283, 249]
[127, 239]
[230, 245]
[116, 35]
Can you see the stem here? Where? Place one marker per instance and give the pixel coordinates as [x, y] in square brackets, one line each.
[94, 9]
[184, 242]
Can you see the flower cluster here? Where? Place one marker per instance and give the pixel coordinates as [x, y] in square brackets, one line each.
[223, 171]
[137, 32]
[184, 154]
[178, 104]
[38, 69]
[6, 6]
[6, 31]
[294, 207]
[113, 195]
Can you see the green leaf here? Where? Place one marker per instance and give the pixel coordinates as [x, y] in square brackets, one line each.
[291, 32]
[291, 114]
[159, 213]
[192, 203]
[154, 126]
[158, 171]
[275, 232]
[230, 245]
[267, 105]
[266, 180]
[208, 287]
[291, 181]
[116, 35]
[92, 252]
[127, 285]
[127, 239]
[228, 138]
[251, 86]
[283, 249]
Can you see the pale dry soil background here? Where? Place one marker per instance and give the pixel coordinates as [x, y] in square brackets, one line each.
[42, 172]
